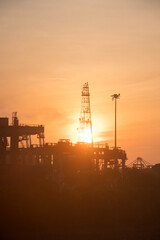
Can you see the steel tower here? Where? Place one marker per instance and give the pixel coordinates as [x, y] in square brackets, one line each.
[85, 123]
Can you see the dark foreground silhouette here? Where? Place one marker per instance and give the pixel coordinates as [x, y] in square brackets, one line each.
[86, 206]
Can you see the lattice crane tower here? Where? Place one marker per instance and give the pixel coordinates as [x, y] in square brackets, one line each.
[85, 123]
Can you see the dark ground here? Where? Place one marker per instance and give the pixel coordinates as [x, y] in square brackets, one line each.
[88, 206]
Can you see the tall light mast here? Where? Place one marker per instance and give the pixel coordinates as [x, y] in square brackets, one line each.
[115, 97]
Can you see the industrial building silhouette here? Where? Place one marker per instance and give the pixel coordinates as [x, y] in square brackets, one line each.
[16, 148]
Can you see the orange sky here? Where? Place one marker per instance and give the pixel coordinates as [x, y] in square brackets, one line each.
[50, 48]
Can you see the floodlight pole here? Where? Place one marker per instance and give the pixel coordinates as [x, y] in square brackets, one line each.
[115, 123]
[115, 96]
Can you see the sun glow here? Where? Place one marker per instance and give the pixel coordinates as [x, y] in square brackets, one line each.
[86, 134]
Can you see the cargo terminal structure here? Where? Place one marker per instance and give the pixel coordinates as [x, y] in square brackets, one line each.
[16, 148]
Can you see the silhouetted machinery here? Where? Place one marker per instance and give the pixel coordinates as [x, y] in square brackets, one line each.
[63, 157]
[66, 157]
[140, 163]
[12, 135]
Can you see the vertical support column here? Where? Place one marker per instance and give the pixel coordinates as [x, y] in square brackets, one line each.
[30, 141]
[40, 141]
[27, 145]
[3, 145]
[43, 140]
[14, 147]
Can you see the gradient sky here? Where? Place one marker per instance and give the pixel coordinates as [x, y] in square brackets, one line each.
[50, 48]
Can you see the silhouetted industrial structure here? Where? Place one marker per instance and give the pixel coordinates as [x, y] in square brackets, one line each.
[11, 136]
[140, 163]
[85, 122]
[62, 157]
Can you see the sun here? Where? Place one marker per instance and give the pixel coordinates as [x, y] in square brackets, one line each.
[85, 135]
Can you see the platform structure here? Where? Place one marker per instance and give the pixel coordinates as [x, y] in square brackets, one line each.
[80, 156]
[16, 147]
[16, 136]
